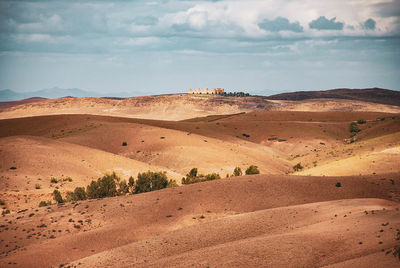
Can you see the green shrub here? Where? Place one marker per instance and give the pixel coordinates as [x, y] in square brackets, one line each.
[37, 186]
[338, 184]
[361, 121]
[53, 180]
[212, 176]
[4, 212]
[297, 167]
[251, 170]
[193, 177]
[172, 183]
[79, 194]
[245, 135]
[124, 143]
[192, 173]
[58, 197]
[67, 179]
[131, 183]
[123, 187]
[354, 128]
[237, 171]
[44, 203]
[13, 168]
[103, 187]
[151, 181]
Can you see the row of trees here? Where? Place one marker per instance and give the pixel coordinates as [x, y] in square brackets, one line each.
[112, 185]
[194, 177]
[236, 94]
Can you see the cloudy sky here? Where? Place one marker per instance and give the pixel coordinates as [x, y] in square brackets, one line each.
[164, 46]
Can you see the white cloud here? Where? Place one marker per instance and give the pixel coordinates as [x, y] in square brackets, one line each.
[52, 23]
[41, 38]
[139, 41]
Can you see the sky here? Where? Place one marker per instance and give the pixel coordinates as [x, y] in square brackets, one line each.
[165, 46]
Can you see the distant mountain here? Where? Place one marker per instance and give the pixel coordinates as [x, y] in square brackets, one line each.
[375, 95]
[52, 93]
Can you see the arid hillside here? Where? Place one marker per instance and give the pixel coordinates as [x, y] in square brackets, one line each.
[183, 106]
[8, 104]
[251, 220]
[374, 95]
[327, 194]
[78, 146]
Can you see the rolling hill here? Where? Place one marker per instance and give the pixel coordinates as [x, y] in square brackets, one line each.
[374, 95]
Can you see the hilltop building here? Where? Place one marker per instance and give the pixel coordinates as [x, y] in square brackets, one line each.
[214, 91]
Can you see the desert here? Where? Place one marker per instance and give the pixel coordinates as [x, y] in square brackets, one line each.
[337, 194]
[200, 133]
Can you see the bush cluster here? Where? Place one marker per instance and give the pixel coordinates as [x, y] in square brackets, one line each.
[151, 181]
[111, 185]
[251, 170]
[354, 129]
[297, 167]
[237, 171]
[44, 203]
[193, 177]
[236, 94]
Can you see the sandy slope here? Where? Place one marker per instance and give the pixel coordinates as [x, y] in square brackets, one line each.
[37, 159]
[253, 220]
[264, 220]
[265, 242]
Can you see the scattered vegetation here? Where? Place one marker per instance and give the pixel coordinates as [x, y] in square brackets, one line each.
[251, 170]
[193, 177]
[53, 180]
[245, 135]
[361, 121]
[111, 185]
[236, 94]
[13, 168]
[396, 249]
[58, 197]
[237, 171]
[67, 179]
[151, 181]
[44, 203]
[297, 167]
[78, 194]
[103, 187]
[124, 143]
[2, 202]
[4, 212]
[37, 186]
[354, 129]
[338, 184]
[172, 183]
